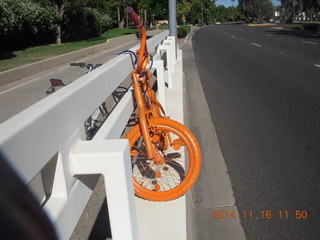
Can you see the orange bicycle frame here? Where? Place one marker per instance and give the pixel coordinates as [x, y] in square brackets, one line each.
[165, 155]
[140, 81]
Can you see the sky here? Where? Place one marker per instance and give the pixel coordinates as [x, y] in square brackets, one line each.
[228, 3]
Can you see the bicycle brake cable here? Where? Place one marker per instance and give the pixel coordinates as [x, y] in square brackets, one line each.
[147, 97]
[130, 52]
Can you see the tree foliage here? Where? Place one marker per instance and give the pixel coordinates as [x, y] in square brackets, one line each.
[93, 16]
[24, 23]
[256, 10]
[148, 10]
[206, 12]
[83, 22]
[293, 8]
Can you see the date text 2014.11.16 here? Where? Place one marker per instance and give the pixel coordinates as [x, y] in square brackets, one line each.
[265, 214]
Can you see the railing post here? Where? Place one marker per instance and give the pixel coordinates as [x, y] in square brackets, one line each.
[158, 64]
[111, 158]
[167, 48]
[173, 46]
[172, 53]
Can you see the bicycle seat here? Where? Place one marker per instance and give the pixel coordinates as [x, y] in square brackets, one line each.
[56, 82]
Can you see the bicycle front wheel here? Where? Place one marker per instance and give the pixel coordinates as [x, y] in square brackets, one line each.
[179, 165]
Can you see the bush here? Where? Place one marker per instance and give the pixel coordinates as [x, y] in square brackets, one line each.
[183, 31]
[83, 23]
[312, 27]
[24, 23]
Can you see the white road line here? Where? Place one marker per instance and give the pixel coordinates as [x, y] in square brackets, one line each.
[11, 89]
[224, 32]
[233, 36]
[269, 35]
[317, 65]
[313, 43]
[255, 44]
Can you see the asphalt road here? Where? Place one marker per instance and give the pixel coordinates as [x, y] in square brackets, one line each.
[262, 86]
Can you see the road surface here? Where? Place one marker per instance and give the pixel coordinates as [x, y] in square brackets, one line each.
[262, 85]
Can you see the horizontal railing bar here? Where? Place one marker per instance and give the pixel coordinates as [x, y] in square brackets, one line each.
[32, 137]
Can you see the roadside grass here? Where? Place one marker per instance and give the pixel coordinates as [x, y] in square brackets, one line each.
[13, 59]
[186, 27]
[308, 26]
[294, 27]
[163, 27]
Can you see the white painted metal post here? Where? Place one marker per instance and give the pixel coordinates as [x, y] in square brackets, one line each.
[111, 158]
[172, 59]
[174, 46]
[158, 64]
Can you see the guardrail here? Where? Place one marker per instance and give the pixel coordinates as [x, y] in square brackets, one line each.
[49, 139]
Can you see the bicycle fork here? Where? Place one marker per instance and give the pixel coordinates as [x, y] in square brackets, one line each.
[140, 99]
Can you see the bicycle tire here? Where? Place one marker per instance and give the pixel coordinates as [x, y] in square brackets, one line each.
[185, 154]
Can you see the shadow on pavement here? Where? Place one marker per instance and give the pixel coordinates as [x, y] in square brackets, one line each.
[296, 33]
[101, 229]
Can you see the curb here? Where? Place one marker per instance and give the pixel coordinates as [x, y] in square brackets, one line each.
[213, 189]
[36, 67]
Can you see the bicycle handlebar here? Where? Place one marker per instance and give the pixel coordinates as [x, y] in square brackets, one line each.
[143, 52]
[79, 64]
[134, 17]
[89, 66]
[74, 64]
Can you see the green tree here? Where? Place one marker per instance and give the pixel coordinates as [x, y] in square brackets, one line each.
[293, 8]
[222, 13]
[24, 23]
[184, 8]
[256, 10]
[58, 6]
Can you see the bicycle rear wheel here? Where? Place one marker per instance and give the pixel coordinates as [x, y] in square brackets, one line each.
[179, 165]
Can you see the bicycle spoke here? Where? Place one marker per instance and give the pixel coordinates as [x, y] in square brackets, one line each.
[174, 147]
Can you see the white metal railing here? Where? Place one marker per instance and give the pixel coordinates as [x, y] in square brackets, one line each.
[49, 138]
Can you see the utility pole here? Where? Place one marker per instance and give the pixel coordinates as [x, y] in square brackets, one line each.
[172, 18]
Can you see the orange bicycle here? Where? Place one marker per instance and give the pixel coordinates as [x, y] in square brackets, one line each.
[165, 155]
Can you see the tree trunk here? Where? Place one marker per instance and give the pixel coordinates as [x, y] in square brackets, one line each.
[58, 40]
[145, 18]
[60, 11]
[119, 17]
[127, 20]
[122, 23]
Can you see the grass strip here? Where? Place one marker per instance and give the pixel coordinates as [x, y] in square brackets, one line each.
[294, 27]
[13, 59]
